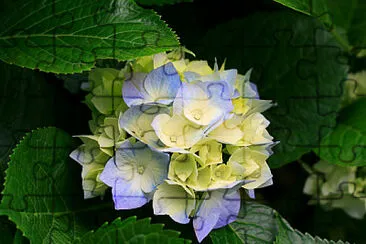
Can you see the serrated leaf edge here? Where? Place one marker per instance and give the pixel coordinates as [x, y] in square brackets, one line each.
[16, 148]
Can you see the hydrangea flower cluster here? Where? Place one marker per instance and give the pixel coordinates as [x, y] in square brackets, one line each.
[162, 128]
[333, 186]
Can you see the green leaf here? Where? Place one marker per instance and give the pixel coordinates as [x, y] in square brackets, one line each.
[287, 235]
[256, 223]
[68, 36]
[346, 144]
[131, 231]
[40, 194]
[317, 8]
[26, 102]
[160, 2]
[296, 63]
[339, 15]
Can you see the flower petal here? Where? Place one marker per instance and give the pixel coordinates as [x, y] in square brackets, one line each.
[132, 91]
[209, 151]
[219, 208]
[126, 189]
[182, 166]
[228, 76]
[162, 84]
[137, 122]
[174, 201]
[159, 86]
[246, 88]
[254, 130]
[200, 67]
[127, 195]
[203, 179]
[117, 170]
[176, 131]
[155, 166]
[203, 103]
[229, 132]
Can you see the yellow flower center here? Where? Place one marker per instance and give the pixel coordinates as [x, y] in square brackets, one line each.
[197, 114]
[173, 139]
[218, 174]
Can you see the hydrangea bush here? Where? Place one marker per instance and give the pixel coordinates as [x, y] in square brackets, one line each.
[179, 133]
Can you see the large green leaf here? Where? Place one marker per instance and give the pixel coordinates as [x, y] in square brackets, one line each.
[346, 145]
[339, 15]
[131, 231]
[26, 103]
[296, 63]
[288, 235]
[67, 36]
[41, 194]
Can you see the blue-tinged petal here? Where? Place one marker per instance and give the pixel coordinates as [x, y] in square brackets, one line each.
[204, 224]
[153, 168]
[218, 208]
[219, 92]
[133, 91]
[162, 84]
[85, 155]
[250, 193]
[203, 103]
[174, 201]
[150, 167]
[116, 169]
[191, 76]
[126, 195]
[134, 172]
[137, 122]
[159, 86]
[230, 208]
[246, 88]
[254, 88]
[227, 76]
